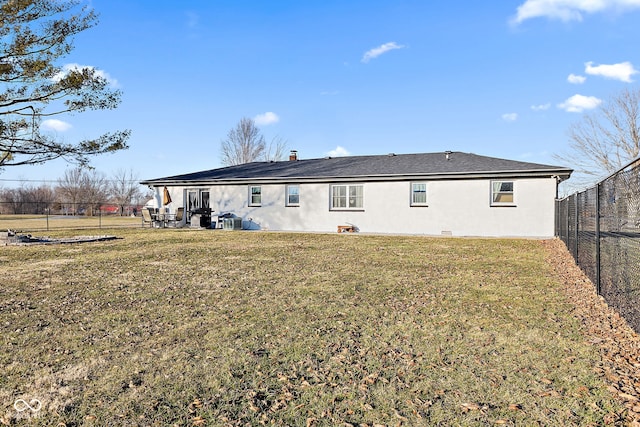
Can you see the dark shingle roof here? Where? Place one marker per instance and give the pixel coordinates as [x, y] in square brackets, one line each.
[380, 167]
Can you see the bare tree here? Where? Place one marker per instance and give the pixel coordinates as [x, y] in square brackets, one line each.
[69, 190]
[11, 201]
[276, 150]
[35, 200]
[27, 199]
[95, 190]
[605, 141]
[245, 144]
[83, 189]
[124, 189]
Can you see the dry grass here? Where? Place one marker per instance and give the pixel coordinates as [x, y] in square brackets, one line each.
[30, 223]
[183, 327]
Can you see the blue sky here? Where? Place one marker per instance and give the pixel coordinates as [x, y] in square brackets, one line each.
[503, 79]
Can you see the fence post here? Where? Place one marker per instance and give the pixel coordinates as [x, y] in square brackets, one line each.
[598, 238]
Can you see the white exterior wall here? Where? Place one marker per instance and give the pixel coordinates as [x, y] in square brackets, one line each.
[456, 207]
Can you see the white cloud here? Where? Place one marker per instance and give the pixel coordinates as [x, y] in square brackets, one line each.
[73, 67]
[510, 117]
[267, 118]
[569, 10]
[622, 71]
[377, 51]
[579, 103]
[55, 125]
[338, 152]
[541, 107]
[575, 79]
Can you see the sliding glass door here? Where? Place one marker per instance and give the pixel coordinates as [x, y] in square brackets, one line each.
[196, 199]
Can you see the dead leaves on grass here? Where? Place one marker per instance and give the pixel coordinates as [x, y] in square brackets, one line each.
[466, 407]
[619, 345]
[194, 406]
[198, 421]
[344, 374]
[484, 409]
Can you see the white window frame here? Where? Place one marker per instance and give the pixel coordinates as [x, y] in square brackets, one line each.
[252, 201]
[496, 190]
[414, 193]
[347, 197]
[289, 194]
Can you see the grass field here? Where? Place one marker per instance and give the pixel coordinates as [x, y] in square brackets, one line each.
[29, 223]
[189, 327]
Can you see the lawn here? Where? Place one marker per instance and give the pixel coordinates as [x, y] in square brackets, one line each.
[30, 223]
[216, 328]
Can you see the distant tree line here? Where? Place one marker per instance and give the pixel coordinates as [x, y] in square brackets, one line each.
[78, 192]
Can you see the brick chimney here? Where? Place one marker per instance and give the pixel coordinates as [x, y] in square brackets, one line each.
[293, 156]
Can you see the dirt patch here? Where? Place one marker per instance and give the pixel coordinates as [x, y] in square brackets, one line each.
[13, 238]
[619, 345]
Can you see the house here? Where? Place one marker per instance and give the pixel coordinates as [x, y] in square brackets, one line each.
[446, 193]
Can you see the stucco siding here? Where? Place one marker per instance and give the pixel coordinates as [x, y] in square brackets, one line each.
[456, 207]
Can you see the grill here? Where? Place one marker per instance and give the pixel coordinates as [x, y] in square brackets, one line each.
[201, 217]
[201, 211]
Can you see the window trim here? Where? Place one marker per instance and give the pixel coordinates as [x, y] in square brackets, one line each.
[493, 193]
[288, 195]
[251, 194]
[412, 201]
[346, 197]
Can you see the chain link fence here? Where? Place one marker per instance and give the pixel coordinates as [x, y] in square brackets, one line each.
[44, 216]
[601, 228]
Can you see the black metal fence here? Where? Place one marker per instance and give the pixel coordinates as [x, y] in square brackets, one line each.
[37, 216]
[601, 228]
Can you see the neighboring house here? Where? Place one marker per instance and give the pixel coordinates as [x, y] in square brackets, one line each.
[450, 193]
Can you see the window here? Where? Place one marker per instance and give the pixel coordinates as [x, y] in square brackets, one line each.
[255, 195]
[418, 194]
[293, 195]
[347, 196]
[502, 193]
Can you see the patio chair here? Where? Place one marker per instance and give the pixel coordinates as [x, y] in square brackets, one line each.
[147, 217]
[177, 218]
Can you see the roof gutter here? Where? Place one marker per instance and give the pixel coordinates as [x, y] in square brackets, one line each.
[561, 174]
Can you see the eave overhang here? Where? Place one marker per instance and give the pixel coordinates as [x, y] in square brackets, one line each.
[560, 174]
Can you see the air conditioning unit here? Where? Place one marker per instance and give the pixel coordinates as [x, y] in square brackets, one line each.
[232, 224]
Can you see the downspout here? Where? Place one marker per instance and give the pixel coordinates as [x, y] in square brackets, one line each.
[157, 197]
